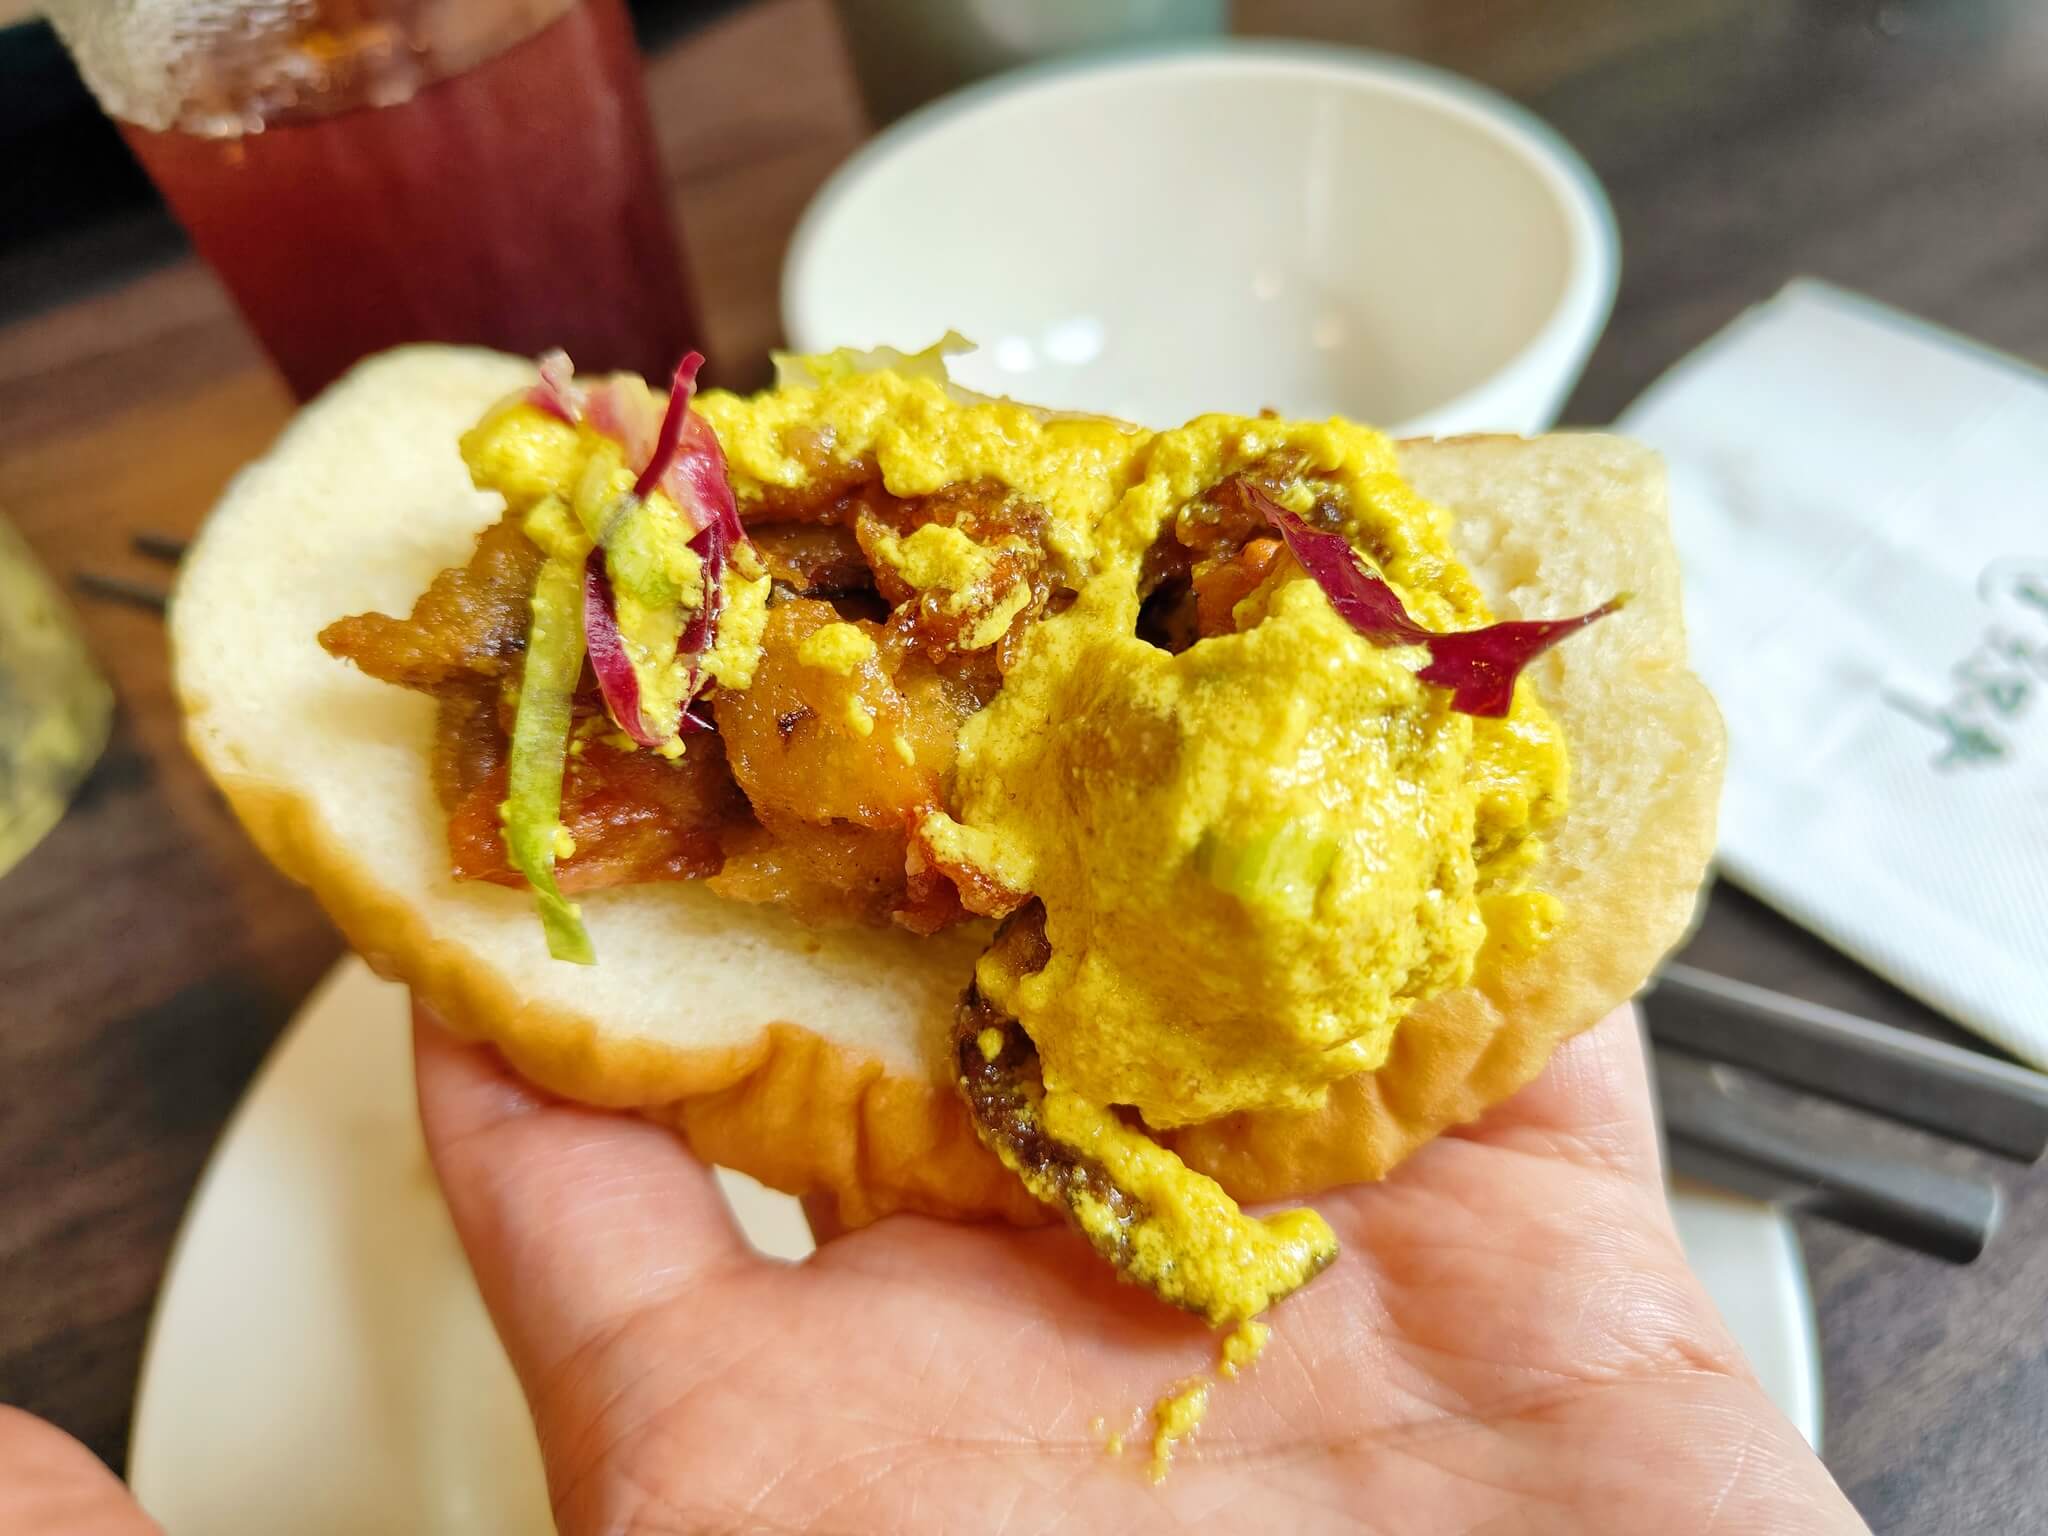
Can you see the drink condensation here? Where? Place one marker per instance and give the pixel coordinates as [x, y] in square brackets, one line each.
[362, 173]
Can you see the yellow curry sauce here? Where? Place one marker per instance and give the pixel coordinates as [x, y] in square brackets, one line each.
[1255, 854]
[1179, 1412]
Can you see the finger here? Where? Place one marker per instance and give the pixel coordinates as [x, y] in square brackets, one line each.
[1592, 1103]
[575, 1220]
[49, 1482]
[821, 1211]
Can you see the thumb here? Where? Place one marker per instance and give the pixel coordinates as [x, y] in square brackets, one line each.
[577, 1222]
[50, 1485]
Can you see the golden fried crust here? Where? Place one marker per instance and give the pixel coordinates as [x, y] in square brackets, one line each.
[813, 1062]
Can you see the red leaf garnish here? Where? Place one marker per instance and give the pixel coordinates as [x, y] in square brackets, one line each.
[1479, 666]
[700, 466]
[622, 410]
[675, 450]
[670, 436]
[616, 678]
[555, 393]
[703, 462]
[692, 466]
[682, 456]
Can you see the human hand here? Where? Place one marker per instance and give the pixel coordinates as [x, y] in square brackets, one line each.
[1511, 1341]
[50, 1485]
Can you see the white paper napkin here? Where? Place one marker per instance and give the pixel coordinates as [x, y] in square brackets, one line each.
[1861, 504]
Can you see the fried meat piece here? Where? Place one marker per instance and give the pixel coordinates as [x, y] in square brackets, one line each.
[814, 559]
[812, 744]
[632, 818]
[468, 626]
[1162, 1225]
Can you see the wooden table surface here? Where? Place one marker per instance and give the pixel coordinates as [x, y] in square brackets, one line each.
[150, 957]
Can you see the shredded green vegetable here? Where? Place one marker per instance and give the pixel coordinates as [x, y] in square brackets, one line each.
[540, 745]
[811, 370]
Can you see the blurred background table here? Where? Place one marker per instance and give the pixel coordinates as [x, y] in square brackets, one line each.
[150, 957]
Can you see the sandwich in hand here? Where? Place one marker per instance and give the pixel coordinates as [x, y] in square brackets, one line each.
[961, 807]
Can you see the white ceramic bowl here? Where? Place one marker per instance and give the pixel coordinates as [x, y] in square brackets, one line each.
[1223, 227]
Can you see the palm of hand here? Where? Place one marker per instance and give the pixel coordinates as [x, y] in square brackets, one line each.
[1510, 1342]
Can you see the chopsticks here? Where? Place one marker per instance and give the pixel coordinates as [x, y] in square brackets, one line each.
[1720, 1135]
[1939, 1087]
[159, 547]
[1712, 1033]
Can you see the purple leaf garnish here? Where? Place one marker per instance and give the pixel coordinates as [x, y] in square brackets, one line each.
[555, 393]
[1478, 666]
[616, 678]
[684, 458]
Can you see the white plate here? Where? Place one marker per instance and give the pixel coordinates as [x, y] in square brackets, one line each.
[1223, 227]
[320, 1362]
